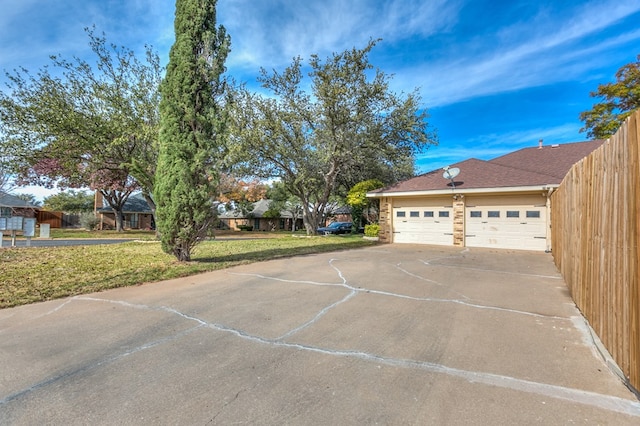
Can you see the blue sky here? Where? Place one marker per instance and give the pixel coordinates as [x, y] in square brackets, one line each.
[494, 75]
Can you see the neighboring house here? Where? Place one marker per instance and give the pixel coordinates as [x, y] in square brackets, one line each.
[234, 219]
[500, 203]
[341, 214]
[10, 205]
[136, 213]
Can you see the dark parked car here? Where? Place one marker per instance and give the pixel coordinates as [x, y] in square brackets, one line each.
[336, 228]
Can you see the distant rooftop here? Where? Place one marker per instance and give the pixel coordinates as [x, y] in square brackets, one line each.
[8, 200]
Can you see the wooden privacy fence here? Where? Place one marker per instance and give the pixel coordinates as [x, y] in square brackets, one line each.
[595, 233]
[58, 219]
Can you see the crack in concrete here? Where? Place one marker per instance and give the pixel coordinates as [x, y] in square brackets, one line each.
[606, 402]
[318, 316]
[407, 297]
[100, 363]
[52, 311]
[441, 265]
[411, 274]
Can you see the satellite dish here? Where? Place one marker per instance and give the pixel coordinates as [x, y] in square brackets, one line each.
[450, 173]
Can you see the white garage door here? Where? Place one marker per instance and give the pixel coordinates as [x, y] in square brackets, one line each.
[509, 227]
[424, 222]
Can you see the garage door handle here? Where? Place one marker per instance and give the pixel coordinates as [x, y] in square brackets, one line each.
[523, 223]
[485, 222]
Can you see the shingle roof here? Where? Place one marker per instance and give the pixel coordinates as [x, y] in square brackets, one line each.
[259, 209]
[526, 167]
[134, 204]
[261, 206]
[552, 160]
[474, 173]
[8, 200]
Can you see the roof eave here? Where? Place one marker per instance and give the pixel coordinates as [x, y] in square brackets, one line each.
[453, 191]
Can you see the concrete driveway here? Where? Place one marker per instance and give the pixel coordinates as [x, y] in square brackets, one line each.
[394, 334]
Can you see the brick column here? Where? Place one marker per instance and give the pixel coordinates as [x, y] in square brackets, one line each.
[385, 221]
[458, 220]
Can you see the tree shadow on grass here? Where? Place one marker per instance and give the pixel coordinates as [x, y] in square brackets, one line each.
[275, 253]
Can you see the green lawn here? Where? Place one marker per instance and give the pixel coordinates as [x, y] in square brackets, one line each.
[81, 233]
[36, 274]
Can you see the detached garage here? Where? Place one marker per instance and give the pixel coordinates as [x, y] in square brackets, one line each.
[502, 203]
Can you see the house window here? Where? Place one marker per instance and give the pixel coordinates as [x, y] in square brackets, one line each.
[513, 213]
[133, 221]
[475, 214]
[443, 214]
[414, 214]
[401, 214]
[493, 214]
[428, 214]
[533, 213]
[5, 211]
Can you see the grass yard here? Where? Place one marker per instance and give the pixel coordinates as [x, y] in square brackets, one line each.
[29, 275]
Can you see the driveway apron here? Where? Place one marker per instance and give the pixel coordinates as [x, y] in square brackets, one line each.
[392, 334]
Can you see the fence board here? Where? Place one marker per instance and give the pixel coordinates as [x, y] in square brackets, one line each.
[595, 234]
[54, 219]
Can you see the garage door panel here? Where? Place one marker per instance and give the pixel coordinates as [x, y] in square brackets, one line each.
[506, 226]
[423, 222]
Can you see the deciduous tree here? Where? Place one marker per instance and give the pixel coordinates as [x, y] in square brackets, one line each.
[69, 201]
[84, 124]
[234, 190]
[347, 129]
[192, 129]
[619, 99]
[283, 201]
[361, 206]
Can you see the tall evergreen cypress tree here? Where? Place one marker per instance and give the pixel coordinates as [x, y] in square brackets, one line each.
[192, 127]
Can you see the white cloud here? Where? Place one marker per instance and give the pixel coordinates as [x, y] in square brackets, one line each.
[529, 54]
[31, 31]
[270, 34]
[554, 45]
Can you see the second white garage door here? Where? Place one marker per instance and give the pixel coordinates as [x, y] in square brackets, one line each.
[423, 222]
[506, 224]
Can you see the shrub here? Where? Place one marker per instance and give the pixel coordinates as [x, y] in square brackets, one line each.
[371, 230]
[88, 221]
[245, 227]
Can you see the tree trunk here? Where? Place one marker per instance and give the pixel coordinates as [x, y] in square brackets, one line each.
[310, 221]
[152, 206]
[119, 220]
[116, 199]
